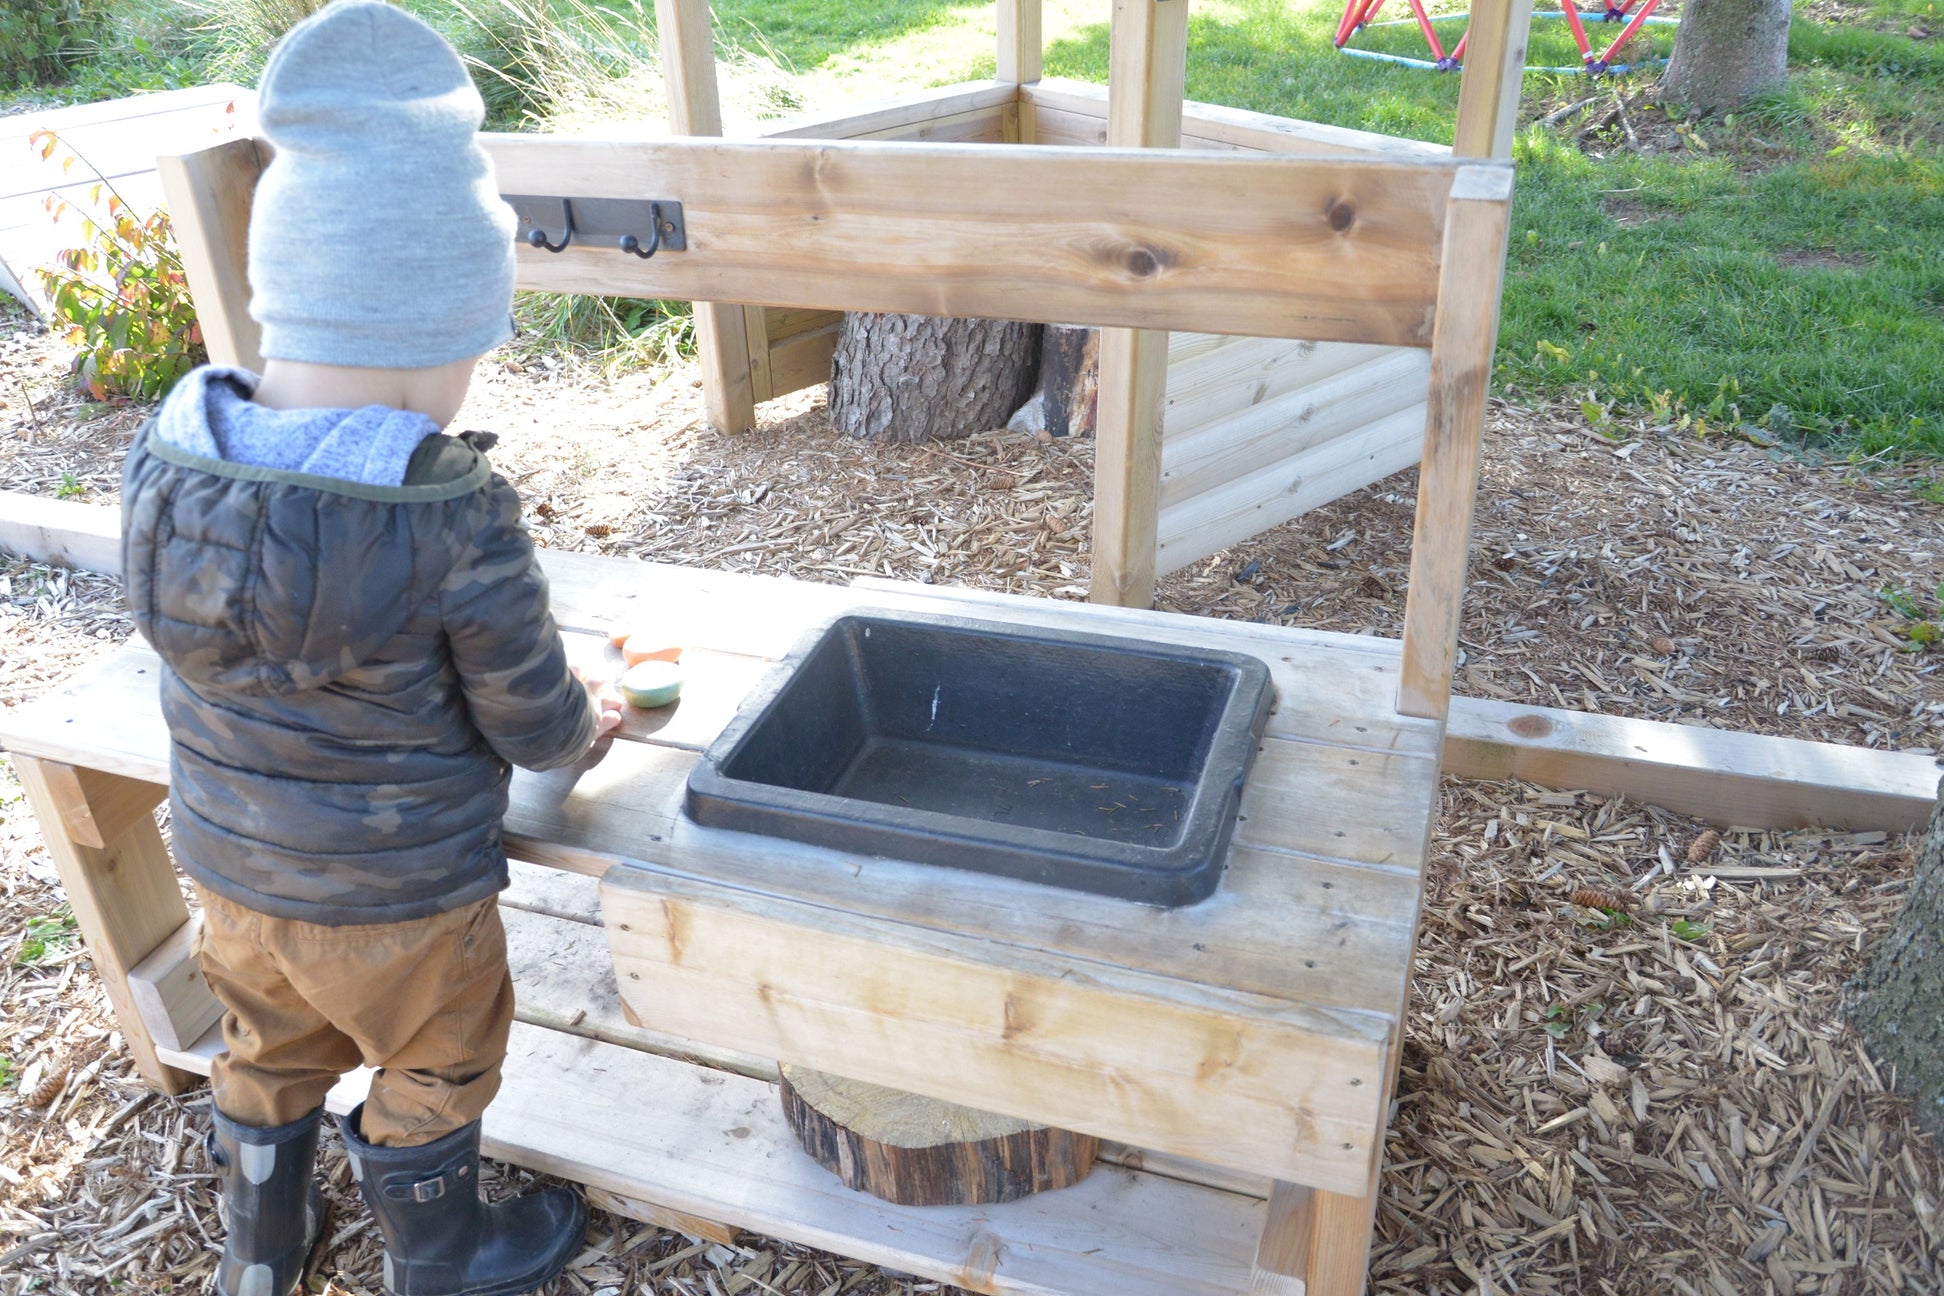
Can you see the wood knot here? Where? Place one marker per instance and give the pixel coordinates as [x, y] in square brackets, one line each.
[1142, 263]
[1530, 726]
[1341, 214]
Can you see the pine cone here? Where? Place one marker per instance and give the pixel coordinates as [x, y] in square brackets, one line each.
[1703, 846]
[49, 1088]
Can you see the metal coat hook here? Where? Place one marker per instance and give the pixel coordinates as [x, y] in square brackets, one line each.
[614, 223]
[537, 237]
[630, 243]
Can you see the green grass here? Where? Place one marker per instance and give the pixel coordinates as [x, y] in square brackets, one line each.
[1785, 268]
[1782, 268]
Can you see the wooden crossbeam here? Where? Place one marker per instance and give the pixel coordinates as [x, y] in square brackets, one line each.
[1343, 249]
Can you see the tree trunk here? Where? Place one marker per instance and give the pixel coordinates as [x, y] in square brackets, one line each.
[1899, 1007]
[905, 378]
[922, 1152]
[1727, 52]
[1067, 399]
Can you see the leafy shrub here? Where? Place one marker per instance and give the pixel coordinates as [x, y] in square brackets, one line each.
[121, 298]
[40, 38]
[235, 36]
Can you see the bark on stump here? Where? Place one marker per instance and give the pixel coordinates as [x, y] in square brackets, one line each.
[1727, 52]
[1899, 1007]
[921, 1152]
[908, 378]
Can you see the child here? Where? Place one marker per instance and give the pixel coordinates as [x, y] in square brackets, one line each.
[357, 648]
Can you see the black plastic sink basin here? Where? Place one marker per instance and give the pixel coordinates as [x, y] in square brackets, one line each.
[1098, 763]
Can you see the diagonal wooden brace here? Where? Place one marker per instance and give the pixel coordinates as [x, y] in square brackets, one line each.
[119, 881]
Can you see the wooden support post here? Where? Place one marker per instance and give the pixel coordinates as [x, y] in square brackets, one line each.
[124, 895]
[1469, 284]
[1147, 67]
[1282, 1263]
[209, 194]
[1314, 1244]
[762, 381]
[1021, 55]
[722, 333]
[1488, 96]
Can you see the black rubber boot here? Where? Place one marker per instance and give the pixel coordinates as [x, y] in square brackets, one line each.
[440, 1238]
[273, 1211]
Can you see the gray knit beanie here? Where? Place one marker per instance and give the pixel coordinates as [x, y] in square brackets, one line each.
[377, 237]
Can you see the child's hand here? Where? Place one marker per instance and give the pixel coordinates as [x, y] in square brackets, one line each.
[606, 704]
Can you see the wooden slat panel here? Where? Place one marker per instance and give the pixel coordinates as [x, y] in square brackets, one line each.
[1316, 932]
[1343, 250]
[715, 1146]
[978, 126]
[1216, 126]
[1207, 384]
[718, 1148]
[563, 980]
[1068, 129]
[1283, 427]
[1228, 514]
[783, 322]
[803, 360]
[897, 112]
[1213, 1074]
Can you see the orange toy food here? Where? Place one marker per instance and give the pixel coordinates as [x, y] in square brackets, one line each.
[640, 648]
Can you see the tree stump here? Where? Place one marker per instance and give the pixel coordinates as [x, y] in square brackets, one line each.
[1900, 1002]
[1067, 400]
[909, 378]
[921, 1152]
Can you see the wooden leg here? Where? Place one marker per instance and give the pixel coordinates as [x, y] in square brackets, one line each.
[1127, 465]
[722, 347]
[1314, 1244]
[124, 893]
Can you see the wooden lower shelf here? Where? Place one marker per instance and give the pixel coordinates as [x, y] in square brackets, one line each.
[689, 1139]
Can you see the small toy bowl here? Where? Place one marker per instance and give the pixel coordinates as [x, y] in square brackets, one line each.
[652, 684]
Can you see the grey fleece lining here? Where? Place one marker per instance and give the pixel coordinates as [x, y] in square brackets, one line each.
[475, 477]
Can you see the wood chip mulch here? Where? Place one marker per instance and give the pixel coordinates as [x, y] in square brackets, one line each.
[1627, 1068]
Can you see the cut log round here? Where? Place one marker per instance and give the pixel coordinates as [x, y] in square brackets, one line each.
[921, 1152]
[906, 378]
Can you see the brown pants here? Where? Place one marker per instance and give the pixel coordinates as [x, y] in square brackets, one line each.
[428, 1003]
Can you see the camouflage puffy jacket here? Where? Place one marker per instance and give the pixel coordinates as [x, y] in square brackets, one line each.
[349, 673]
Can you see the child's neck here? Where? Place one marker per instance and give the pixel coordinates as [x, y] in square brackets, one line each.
[293, 384]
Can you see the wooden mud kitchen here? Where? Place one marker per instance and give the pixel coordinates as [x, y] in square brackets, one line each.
[1234, 1057]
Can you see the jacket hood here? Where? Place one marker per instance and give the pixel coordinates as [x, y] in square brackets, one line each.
[271, 580]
